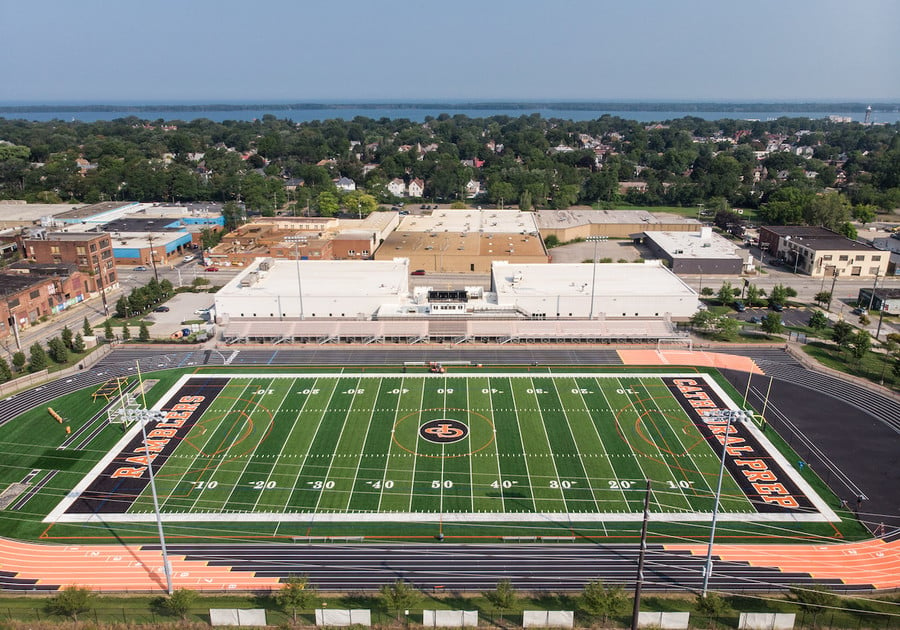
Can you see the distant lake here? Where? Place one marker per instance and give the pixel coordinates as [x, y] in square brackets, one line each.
[418, 115]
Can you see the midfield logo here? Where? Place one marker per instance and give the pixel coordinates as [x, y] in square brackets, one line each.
[443, 431]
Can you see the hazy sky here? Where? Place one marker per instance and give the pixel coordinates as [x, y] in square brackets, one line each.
[106, 51]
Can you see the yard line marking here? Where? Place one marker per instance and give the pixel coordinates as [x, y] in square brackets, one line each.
[387, 456]
[496, 446]
[253, 453]
[599, 439]
[575, 442]
[337, 444]
[632, 454]
[543, 424]
[306, 456]
[287, 438]
[412, 485]
[360, 455]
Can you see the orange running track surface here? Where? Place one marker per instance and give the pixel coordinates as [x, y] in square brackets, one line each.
[118, 568]
[874, 562]
[689, 357]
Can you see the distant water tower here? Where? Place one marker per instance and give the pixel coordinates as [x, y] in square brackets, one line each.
[868, 119]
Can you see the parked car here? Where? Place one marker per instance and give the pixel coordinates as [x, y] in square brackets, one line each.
[418, 272]
[212, 269]
[739, 306]
[161, 309]
[140, 268]
[755, 320]
[189, 258]
[860, 310]
[777, 306]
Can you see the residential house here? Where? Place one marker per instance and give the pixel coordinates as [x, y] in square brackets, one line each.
[416, 188]
[397, 187]
[345, 184]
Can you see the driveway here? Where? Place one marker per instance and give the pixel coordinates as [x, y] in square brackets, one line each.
[182, 308]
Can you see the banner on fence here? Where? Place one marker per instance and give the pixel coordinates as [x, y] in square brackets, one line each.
[449, 618]
[337, 617]
[548, 619]
[766, 621]
[664, 620]
[237, 616]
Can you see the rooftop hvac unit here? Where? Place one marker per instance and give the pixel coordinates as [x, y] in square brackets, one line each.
[264, 266]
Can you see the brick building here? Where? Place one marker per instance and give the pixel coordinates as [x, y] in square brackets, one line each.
[91, 252]
[29, 292]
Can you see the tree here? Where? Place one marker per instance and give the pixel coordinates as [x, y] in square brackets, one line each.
[596, 600]
[57, 350]
[123, 305]
[779, 294]
[126, 334]
[860, 343]
[179, 602]
[37, 358]
[144, 332]
[107, 330]
[503, 596]
[771, 324]
[707, 292]
[19, 360]
[712, 605]
[86, 328]
[5, 371]
[754, 294]
[66, 336]
[841, 333]
[328, 204]
[551, 241]
[296, 593]
[399, 596]
[822, 297]
[78, 344]
[726, 293]
[71, 602]
[818, 321]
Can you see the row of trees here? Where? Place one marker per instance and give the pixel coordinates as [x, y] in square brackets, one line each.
[39, 357]
[202, 160]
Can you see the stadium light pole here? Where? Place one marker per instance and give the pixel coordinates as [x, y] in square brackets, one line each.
[143, 419]
[707, 569]
[594, 240]
[299, 285]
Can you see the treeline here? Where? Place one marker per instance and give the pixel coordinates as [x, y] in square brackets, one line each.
[528, 160]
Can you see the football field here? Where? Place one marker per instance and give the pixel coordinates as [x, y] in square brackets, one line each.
[516, 447]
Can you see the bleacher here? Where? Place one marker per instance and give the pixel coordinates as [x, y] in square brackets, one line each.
[443, 330]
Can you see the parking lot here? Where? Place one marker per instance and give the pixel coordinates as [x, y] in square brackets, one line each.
[182, 307]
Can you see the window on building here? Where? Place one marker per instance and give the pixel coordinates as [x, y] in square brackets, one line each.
[81, 251]
[54, 249]
[874, 271]
[112, 276]
[844, 257]
[351, 252]
[826, 257]
[860, 258]
[35, 294]
[856, 271]
[364, 252]
[876, 258]
[13, 303]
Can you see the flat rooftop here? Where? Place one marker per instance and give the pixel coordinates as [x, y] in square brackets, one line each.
[557, 219]
[29, 213]
[471, 221]
[86, 212]
[495, 244]
[512, 280]
[323, 278]
[12, 283]
[694, 245]
[817, 238]
[73, 236]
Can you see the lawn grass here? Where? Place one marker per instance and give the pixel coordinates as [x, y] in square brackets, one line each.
[872, 366]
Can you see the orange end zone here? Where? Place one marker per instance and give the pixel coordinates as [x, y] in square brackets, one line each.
[874, 562]
[686, 357]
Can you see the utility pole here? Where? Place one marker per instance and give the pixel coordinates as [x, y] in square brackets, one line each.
[833, 282]
[872, 297]
[639, 582]
[153, 257]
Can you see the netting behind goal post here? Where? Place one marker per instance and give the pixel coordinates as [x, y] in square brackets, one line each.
[131, 411]
[675, 343]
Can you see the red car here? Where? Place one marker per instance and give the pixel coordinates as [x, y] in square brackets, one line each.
[212, 268]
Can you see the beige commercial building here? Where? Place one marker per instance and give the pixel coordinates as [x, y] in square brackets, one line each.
[819, 252]
[458, 241]
[568, 225]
